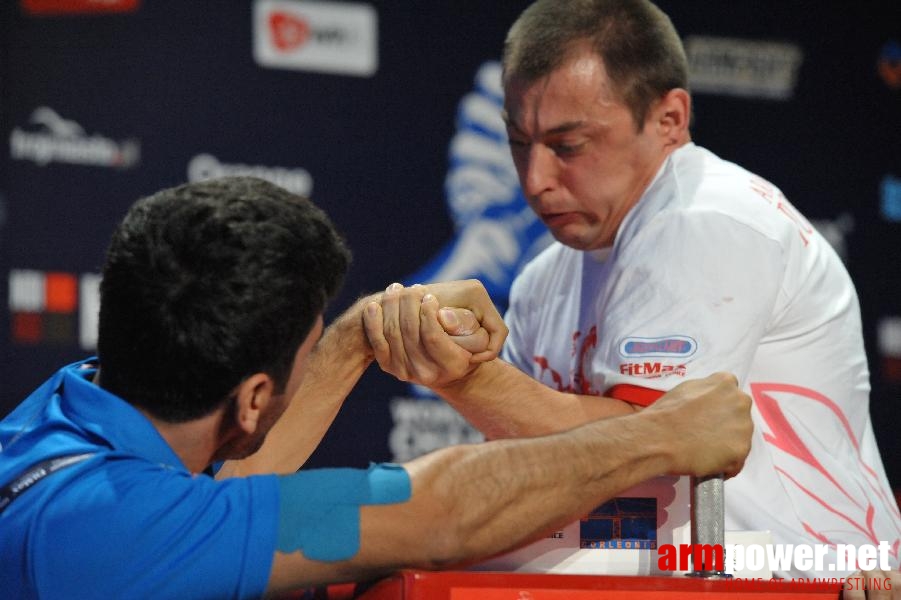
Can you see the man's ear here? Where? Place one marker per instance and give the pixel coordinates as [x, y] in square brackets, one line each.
[672, 116]
[251, 397]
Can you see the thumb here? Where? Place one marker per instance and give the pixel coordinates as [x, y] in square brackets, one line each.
[458, 321]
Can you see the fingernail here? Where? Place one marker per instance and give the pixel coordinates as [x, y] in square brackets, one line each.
[429, 298]
[449, 317]
[372, 309]
[394, 287]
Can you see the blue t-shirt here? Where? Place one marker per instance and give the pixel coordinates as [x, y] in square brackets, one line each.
[130, 521]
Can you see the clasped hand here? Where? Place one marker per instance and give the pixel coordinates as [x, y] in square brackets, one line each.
[436, 334]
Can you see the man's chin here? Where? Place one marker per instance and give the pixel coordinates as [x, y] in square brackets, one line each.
[572, 239]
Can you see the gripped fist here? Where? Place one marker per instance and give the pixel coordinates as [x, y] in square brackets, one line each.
[710, 422]
[415, 340]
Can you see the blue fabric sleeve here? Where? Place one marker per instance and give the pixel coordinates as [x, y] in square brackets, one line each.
[320, 509]
[137, 530]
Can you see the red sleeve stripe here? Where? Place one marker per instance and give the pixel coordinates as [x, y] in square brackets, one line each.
[634, 394]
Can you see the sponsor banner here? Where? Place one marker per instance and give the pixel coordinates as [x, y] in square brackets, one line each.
[89, 310]
[53, 308]
[295, 180]
[889, 64]
[63, 7]
[54, 139]
[328, 37]
[836, 232]
[496, 231]
[743, 67]
[421, 426]
[889, 342]
[42, 306]
[890, 198]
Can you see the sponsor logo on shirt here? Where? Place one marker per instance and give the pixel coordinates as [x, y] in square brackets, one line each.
[60, 7]
[328, 37]
[673, 346]
[745, 68]
[64, 141]
[53, 308]
[777, 200]
[651, 370]
[295, 180]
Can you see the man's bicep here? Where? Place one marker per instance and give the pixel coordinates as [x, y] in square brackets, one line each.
[697, 302]
[339, 525]
[391, 538]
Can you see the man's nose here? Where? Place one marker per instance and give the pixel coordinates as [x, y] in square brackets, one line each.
[540, 171]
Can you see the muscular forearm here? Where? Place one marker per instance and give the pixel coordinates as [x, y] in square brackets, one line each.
[489, 492]
[469, 502]
[410, 341]
[333, 368]
[503, 402]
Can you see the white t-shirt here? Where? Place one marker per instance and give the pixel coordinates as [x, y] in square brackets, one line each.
[714, 270]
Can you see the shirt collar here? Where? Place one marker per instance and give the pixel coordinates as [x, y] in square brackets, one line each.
[112, 418]
[652, 202]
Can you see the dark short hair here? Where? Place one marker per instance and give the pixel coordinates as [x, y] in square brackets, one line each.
[207, 283]
[641, 50]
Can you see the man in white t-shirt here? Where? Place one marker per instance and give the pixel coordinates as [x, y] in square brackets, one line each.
[670, 263]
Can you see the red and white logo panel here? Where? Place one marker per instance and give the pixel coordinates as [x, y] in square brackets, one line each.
[327, 37]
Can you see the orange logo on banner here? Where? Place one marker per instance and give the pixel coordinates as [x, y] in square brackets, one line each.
[61, 292]
[890, 71]
[889, 65]
[288, 31]
[59, 7]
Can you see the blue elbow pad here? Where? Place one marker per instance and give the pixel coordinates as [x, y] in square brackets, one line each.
[320, 509]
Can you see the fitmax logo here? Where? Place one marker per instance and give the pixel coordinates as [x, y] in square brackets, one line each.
[674, 346]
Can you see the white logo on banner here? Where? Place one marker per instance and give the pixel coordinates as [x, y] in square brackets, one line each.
[329, 37]
[737, 67]
[836, 232]
[88, 310]
[64, 141]
[295, 180]
[421, 426]
[889, 336]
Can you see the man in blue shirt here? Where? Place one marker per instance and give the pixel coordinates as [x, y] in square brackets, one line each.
[211, 304]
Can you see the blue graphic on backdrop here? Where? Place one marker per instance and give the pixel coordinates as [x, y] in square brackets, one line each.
[890, 196]
[496, 231]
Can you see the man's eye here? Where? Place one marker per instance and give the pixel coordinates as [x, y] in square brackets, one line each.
[565, 149]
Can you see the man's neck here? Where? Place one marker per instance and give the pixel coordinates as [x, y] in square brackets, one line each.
[195, 442]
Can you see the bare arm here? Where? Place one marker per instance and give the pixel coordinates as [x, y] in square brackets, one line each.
[469, 502]
[503, 402]
[333, 368]
[339, 360]
[494, 396]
